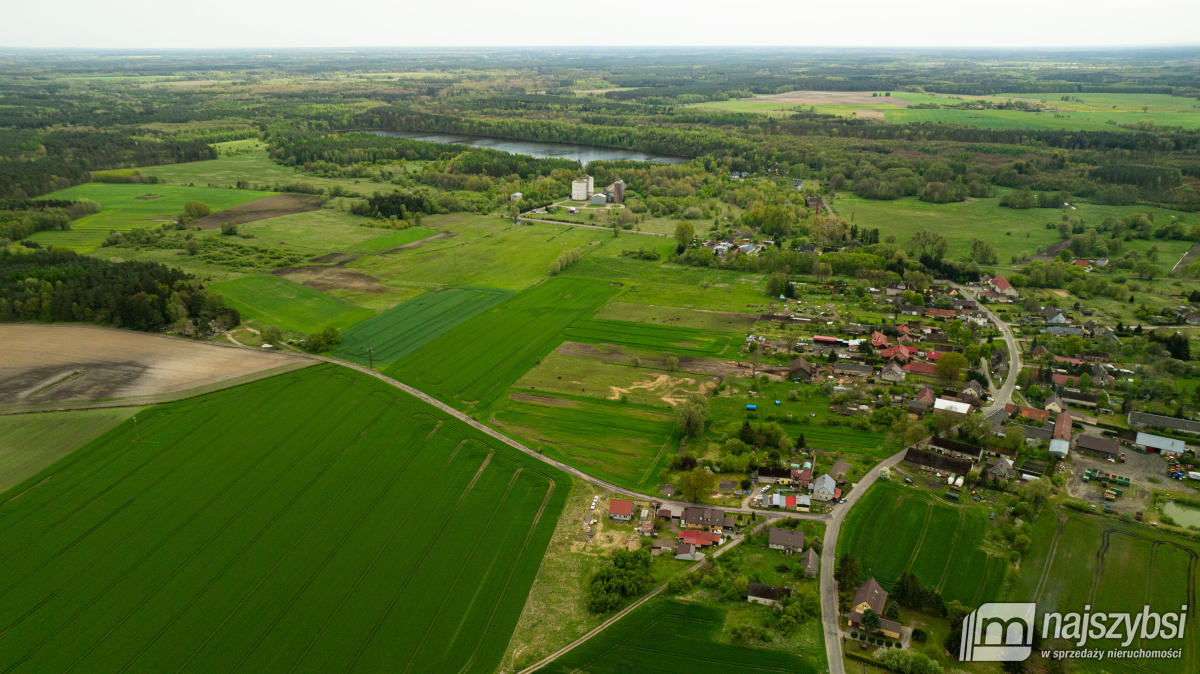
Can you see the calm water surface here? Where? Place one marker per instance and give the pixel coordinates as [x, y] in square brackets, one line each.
[583, 153]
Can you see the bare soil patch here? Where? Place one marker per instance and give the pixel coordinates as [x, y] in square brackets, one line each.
[1051, 252]
[55, 363]
[832, 98]
[543, 400]
[261, 209]
[611, 353]
[869, 114]
[331, 257]
[417, 244]
[332, 278]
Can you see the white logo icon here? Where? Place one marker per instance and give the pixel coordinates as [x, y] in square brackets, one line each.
[998, 633]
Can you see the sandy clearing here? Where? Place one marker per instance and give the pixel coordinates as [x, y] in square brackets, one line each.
[869, 114]
[831, 98]
[332, 278]
[57, 363]
[261, 209]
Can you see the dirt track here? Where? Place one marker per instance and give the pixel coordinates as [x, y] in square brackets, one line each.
[261, 209]
[56, 363]
[832, 98]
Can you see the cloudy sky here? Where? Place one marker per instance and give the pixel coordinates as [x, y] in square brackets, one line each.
[795, 23]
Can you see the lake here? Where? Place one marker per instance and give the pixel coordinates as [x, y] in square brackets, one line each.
[583, 153]
[1184, 515]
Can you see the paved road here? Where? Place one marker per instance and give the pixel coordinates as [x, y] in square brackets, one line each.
[1004, 395]
[830, 619]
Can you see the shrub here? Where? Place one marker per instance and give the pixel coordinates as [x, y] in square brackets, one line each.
[229, 228]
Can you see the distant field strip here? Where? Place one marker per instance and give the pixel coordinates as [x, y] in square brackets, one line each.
[410, 325]
[682, 341]
[289, 305]
[670, 637]
[316, 521]
[720, 321]
[475, 362]
[623, 443]
[896, 529]
[30, 443]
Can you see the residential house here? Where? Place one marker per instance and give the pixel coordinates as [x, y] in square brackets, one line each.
[899, 353]
[972, 392]
[659, 546]
[933, 461]
[871, 596]
[892, 372]
[620, 510]
[767, 594]
[706, 519]
[787, 540]
[978, 318]
[1054, 404]
[1157, 443]
[1144, 420]
[918, 407]
[1001, 469]
[1035, 434]
[688, 552]
[926, 394]
[801, 478]
[824, 488]
[1031, 413]
[879, 340]
[944, 314]
[811, 562]
[773, 475]
[700, 539]
[1039, 352]
[1098, 446]
[1001, 286]
[1060, 442]
[1054, 316]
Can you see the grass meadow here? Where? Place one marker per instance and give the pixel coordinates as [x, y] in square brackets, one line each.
[122, 209]
[673, 637]
[31, 442]
[718, 321]
[895, 529]
[313, 521]
[289, 305]
[610, 374]
[474, 363]
[399, 331]
[624, 443]
[667, 338]
[1078, 560]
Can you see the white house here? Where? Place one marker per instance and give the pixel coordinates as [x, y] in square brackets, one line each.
[516, 196]
[823, 488]
[1001, 286]
[582, 188]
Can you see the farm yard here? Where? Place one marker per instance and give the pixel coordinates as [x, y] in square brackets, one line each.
[311, 520]
[674, 638]
[623, 443]
[493, 349]
[894, 529]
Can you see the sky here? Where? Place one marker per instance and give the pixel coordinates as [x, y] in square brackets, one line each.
[162, 24]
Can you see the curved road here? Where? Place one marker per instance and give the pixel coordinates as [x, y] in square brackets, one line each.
[1004, 395]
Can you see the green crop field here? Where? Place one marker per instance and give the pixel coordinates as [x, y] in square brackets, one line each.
[895, 529]
[682, 341]
[122, 209]
[719, 321]
[410, 325]
[673, 638]
[623, 443]
[31, 442]
[669, 285]
[609, 373]
[1078, 560]
[311, 521]
[475, 362]
[289, 305]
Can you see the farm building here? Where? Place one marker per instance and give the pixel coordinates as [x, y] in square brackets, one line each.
[620, 510]
[787, 540]
[800, 369]
[771, 475]
[1031, 470]
[760, 593]
[871, 596]
[1157, 443]
[598, 199]
[956, 449]
[804, 503]
[926, 369]
[811, 562]
[705, 518]
[936, 462]
[582, 188]
[824, 488]
[669, 512]
[1144, 420]
[1060, 443]
[852, 370]
[801, 478]
[1098, 446]
[952, 406]
[658, 546]
[1001, 469]
[616, 191]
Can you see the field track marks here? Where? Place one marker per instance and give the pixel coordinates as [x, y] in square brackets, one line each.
[400, 522]
[1098, 571]
[115, 544]
[1045, 576]
[216, 497]
[424, 553]
[962, 518]
[296, 541]
[463, 569]
[657, 457]
[217, 534]
[507, 582]
[921, 538]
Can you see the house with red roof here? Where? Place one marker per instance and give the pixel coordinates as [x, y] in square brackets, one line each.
[879, 340]
[926, 395]
[941, 313]
[898, 352]
[620, 510]
[1082, 263]
[700, 539]
[1001, 286]
[1028, 412]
